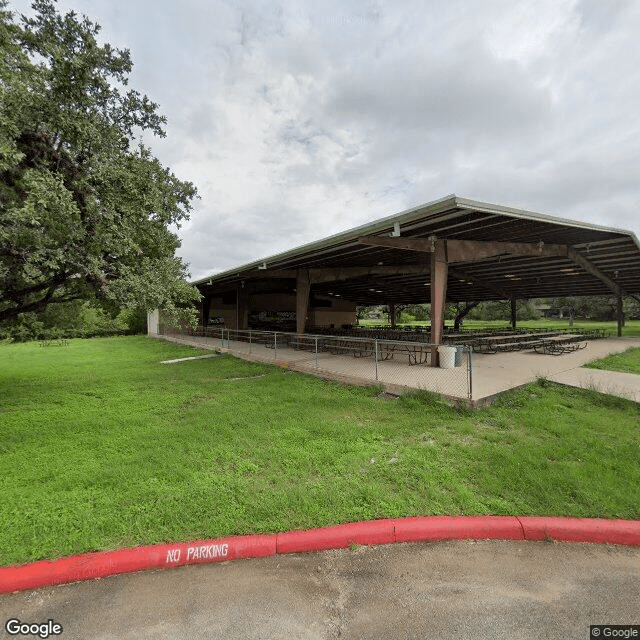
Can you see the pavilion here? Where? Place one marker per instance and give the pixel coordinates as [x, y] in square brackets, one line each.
[451, 250]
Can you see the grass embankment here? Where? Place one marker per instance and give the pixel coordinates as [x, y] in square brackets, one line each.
[631, 328]
[627, 362]
[101, 446]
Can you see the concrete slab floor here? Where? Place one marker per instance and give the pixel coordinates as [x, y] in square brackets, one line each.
[491, 373]
[494, 373]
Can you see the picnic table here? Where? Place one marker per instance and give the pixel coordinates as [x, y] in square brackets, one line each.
[513, 342]
[557, 345]
[416, 353]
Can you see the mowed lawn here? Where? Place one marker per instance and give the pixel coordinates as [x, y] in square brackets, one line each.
[627, 362]
[102, 446]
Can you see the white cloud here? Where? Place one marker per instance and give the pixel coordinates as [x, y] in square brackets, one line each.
[297, 120]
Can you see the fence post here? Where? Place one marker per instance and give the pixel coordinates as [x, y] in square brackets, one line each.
[275, 346]
[249, 341]
[470, 374]
[316, 352]
[376, 348]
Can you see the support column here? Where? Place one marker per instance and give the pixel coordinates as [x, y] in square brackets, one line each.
[205, 303]
[392, 315]
[303, 287]
[242, 308]
[514, 312]
[620, 316]
[439, 273]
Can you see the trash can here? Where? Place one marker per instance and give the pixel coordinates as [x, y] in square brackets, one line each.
[459, 356]
[447, 357]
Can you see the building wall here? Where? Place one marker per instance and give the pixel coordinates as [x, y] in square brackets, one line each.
[341, 312]
[219, 310]
[280, 309]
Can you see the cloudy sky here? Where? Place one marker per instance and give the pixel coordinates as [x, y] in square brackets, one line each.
[299, 119]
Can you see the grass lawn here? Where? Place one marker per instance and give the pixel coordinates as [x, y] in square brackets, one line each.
[631, 328]
[101, 447]
[628, 362]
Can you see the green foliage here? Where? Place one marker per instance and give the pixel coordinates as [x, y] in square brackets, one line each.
[501, 310]
[75, 319]
[84, 212]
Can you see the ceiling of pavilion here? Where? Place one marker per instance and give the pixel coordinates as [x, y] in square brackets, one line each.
[613, 253]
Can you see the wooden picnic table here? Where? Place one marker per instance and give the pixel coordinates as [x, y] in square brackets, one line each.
[512, 342]
[559, 344]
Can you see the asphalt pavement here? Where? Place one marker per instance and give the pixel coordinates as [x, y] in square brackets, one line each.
[478, 590]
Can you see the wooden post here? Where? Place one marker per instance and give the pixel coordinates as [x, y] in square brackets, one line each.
[514, 312]
[205, 303]
[620, 315]
[392, 315]
[303, 287]
[439, 273]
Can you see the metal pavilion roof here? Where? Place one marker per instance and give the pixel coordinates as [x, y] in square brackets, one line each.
[402, 276]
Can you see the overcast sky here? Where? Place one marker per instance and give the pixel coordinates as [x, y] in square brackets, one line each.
[297, 120]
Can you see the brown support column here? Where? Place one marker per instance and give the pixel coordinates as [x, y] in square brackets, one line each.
[242, 308]
[439, 273]
[392, 315]
[514, 313]
[303, 287]
[620, 315]
[205, 306]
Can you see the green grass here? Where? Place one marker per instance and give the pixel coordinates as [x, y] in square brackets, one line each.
[631, 328]
[101, 447]
[628, 362]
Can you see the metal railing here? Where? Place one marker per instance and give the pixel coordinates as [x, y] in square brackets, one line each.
[405, 363]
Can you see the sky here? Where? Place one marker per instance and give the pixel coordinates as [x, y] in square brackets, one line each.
[298, 120]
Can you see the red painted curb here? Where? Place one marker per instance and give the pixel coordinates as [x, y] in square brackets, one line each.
[88, 566]
[101, 564]
[430, 528]
[338, 537]
[625, 532]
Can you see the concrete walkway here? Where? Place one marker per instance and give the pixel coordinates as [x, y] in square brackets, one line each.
[494, 373]
[491, 373]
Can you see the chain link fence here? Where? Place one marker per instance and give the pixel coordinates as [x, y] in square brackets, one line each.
[351, 358]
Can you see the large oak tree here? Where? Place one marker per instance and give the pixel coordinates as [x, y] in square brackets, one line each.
[84, 210]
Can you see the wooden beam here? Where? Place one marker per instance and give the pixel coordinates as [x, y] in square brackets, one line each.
[468, 250]
[472, 250]
[347, 273]
[591, 268]
[410, 244]
[317, 276]
[270, 273]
